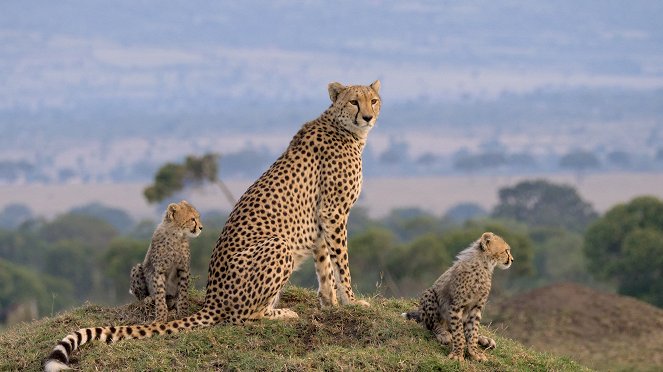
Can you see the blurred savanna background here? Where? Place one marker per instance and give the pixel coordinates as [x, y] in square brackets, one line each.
[540, 121]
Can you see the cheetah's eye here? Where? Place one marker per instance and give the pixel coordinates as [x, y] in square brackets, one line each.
[354, 102]
[374, 101]
[193, 219]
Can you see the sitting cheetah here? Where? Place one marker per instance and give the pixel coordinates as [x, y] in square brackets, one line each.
[452, 306]
[164, 274]
[298, 207]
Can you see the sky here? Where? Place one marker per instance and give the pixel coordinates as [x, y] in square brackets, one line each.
[97, 87]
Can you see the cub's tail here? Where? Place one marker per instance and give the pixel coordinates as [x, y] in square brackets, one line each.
[138, 286]
[59, 357]
[414, 315]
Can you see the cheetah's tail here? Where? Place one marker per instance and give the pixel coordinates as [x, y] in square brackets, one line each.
[414, 314]
[59, 357]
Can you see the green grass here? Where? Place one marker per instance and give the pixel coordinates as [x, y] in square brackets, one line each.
[335, 339]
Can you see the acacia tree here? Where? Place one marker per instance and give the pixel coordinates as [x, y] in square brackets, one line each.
[626, 246]
[543, 204]
[173, 177]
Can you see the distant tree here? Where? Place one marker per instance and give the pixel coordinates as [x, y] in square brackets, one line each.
[462, 212]
[14, 170]
[89, 230]
[76, 262]
[626, 246]
[417, 264]
[120, 219]
[619, 159]
[408, 223]
[543, 204]
[397, 152]
[248, 162]
[13, 215]
[121, 255]
[369, 253]
[471, 163]
[558, 256]
[173, 177]
[359, 220]
[659, 155]
[24, 247]
[642, 269]
[143, 230]
[521, 160]
[427, 159]
[579, 161]
[20, 283]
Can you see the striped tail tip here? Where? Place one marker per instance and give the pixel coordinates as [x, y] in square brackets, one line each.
[53, 365]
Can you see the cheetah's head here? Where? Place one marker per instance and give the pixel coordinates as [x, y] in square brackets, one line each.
[356, 106]
[497, 250]
[185, 217]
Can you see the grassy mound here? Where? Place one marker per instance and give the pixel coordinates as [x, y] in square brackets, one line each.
[602, 330]
[342, 338]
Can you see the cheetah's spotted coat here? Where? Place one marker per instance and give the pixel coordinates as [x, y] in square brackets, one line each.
[298, 207]
[451, 308]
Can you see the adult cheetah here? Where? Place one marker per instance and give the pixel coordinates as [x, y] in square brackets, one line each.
[298, 207]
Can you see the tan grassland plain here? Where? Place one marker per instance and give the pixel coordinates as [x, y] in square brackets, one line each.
[380, 195]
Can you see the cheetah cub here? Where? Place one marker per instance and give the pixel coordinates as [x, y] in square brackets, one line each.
[164, 274]
[451, 308]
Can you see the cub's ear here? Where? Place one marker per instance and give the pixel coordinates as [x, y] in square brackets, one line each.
[376, 86]
[185, 203]
[334, 90]
[485, 240]
[170, 211]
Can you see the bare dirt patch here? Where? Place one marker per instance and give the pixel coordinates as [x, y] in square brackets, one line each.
[602, 330]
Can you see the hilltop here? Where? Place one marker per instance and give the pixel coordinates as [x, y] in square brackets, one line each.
[601, 330]
[343, 338]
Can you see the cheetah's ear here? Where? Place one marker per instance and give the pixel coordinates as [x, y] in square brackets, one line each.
[170, 211]
[485, 240]
[334, 90]
[185, 203]
[376, 86]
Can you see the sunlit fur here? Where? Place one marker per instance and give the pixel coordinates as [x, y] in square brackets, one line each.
[297, 208]
[164, 273]
[451, 308]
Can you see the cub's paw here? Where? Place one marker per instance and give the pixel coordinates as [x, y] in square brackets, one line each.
[477, 355]
[281, 314]
[456, 356]
[327, 301]
[486, 342]
[361, 303]
[444, 338]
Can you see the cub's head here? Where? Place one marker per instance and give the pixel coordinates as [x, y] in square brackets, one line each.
[356, 107]
[496, 249]
[185, 217]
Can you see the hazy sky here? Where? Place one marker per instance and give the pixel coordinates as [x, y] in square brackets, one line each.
[71, 54]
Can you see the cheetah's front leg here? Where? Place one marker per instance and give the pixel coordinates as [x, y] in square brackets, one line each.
[335, 238]
[456, 328]
[326, 277]
[158, 285]
[182, 292]
[472, 334]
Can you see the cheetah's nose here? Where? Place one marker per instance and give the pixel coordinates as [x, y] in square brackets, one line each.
[367, 118]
